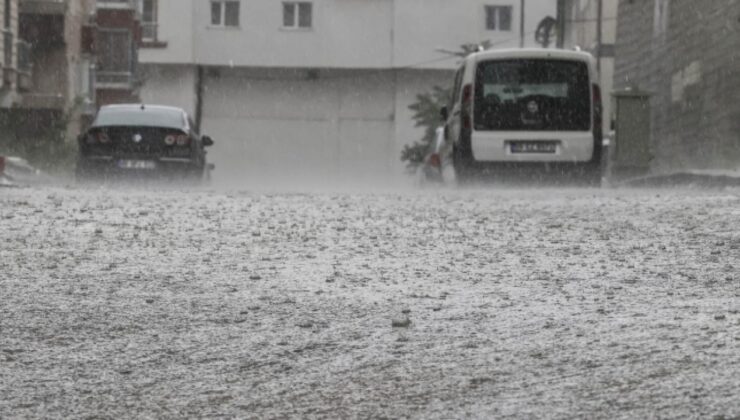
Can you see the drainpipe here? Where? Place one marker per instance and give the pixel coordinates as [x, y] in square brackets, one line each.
[199, 81]
[521, 24]
[561, 23]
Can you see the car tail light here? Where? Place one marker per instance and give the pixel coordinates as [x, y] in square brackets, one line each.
[435, 161]
[467, 105]
[183, 140]
[2, 164]
[103, 138]
[170, 140]
[597, 106]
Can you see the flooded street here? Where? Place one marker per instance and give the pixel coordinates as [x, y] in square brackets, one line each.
[479, 303]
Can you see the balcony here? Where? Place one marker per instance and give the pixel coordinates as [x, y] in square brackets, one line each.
[43, 7]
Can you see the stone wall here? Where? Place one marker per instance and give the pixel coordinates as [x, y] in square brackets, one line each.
[686, 53]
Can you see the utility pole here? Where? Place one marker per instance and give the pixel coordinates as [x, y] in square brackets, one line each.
[561, 23]
[599, 35]
[200, 75]
[521, 24]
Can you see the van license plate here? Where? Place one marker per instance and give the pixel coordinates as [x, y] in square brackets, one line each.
[533, 146]
[137, 164]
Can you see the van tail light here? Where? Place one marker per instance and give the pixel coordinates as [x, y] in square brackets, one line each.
[598, 129]
[466, 106]
[597, 104]
[435, 161]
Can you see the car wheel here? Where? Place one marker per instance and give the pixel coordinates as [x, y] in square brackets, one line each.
[198, 176]
[206, 178]
[84, 172]
[192, 176]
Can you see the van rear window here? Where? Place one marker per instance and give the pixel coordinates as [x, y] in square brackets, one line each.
[532, 95]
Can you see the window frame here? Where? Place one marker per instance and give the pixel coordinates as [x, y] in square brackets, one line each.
[153, 23]
[127, 38]
[494, 11]
[296, 24]
[109, 72]
[222, 15]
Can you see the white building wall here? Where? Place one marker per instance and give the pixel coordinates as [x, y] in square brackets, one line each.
[423, 27]
[323, 106]
[354, 34]
[176, 31]
[169, 85]
[345, 33]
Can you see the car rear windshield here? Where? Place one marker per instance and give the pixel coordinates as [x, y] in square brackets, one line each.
[148, 117]
[532, 94]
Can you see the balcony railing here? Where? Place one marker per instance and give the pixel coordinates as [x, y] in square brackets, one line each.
[117, 4]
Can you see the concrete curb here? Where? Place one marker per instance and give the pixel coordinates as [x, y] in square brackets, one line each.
[697, 179]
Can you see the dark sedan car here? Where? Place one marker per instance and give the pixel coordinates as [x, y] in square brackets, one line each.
[142, 140]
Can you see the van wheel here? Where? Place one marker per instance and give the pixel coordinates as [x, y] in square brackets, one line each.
[591, 175]
[463, 165]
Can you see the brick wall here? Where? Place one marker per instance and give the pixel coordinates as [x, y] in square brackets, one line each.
[686, 52]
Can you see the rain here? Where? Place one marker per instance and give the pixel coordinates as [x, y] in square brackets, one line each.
[369, 209]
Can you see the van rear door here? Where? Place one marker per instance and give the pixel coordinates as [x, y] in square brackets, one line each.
[532, 109]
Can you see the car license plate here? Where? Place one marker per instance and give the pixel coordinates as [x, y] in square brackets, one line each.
[533, 146]
[137, 164]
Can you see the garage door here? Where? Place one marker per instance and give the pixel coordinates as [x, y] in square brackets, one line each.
[282, 127]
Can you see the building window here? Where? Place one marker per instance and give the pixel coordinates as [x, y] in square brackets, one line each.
[297, 15]
[225, 13]
[498, 18]
[149, 21]
[115, 56]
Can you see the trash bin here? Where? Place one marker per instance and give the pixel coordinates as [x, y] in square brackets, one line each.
[629, 151]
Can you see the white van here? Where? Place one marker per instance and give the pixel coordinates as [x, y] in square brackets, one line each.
[537, 109]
